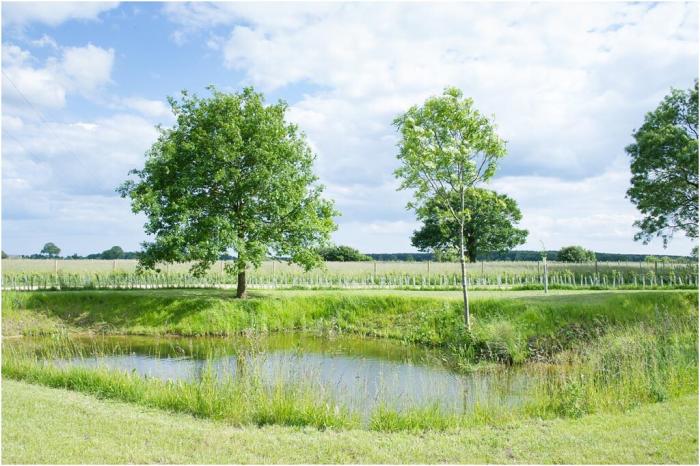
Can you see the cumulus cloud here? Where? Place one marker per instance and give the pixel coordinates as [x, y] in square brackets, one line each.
[566, 85]
[59, 176]
[52, 13]
[66, 174]
[45, 41]
[81, 70]
[147, 107]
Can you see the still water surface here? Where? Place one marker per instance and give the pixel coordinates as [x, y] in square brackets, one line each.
[358, 372]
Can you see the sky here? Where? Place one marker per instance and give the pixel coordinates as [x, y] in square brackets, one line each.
[84, 86]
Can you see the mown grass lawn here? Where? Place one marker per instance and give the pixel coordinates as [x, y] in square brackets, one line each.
[44, 425]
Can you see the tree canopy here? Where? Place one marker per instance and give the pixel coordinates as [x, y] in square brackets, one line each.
[575, 254]
[664, 165]
[446, 148]
[342, 254]
[51, 250]
[115, 252]
[489, 228]
[232, 174]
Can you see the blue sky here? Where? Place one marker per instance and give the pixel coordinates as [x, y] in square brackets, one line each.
[85, 84]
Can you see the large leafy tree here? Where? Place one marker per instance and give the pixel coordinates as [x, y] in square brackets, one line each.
[665, 168]
[231, 175]
[51, 250]
[115, 252]
[446, 148]
[575, 254]
[491, 226]
[342, 254]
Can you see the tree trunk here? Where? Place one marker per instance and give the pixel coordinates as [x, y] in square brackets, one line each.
[465, 293]
[471, 249]
[240, 291]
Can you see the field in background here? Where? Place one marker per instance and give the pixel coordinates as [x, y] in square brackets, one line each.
[75, 274]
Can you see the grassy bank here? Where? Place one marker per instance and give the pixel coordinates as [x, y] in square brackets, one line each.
[506, 330]
[44, 425]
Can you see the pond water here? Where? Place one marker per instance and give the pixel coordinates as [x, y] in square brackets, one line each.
[358, 372]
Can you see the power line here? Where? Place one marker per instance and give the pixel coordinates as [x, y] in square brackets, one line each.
[41, 117]
[39, 114]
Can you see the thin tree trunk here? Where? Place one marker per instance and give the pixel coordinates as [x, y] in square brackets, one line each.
[240, 291]
[465, 293]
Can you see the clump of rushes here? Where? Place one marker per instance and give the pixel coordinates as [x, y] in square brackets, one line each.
[621, 370]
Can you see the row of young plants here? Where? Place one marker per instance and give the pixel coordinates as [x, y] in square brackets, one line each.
[671, 278]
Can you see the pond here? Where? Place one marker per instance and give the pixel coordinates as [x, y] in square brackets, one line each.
[360, 373]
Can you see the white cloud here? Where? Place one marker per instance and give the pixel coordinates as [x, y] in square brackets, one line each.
[81, 70]
[51, 13]
[592, 211]
[59, 180]
[566, 83]
[45, 41]
[150, 108]
[84, 69]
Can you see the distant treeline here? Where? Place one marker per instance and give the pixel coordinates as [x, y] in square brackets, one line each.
[117, 253]
[520, 256]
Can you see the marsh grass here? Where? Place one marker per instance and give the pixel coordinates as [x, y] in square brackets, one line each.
[216, 395]
[621, 370]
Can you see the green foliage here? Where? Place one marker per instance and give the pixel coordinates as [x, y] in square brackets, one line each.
[51, 250]
[342, 254]
[115, 252]
[231, 174]
[4, 255]
[665, 168]
[490, 227]
[446, 148]
[575, 254]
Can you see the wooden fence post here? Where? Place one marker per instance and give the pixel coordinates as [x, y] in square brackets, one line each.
[546, 279]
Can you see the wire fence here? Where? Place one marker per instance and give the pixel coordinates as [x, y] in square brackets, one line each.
[523, 277]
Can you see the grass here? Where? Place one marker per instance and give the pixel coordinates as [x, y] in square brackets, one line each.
[45, 425]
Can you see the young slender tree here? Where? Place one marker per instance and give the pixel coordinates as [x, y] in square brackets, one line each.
[446, 148]
[232, 174]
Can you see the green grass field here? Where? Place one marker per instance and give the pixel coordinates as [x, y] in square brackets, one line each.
[44, 425]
